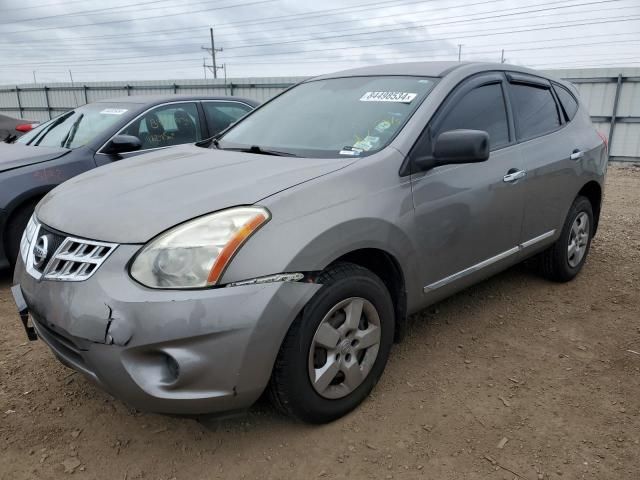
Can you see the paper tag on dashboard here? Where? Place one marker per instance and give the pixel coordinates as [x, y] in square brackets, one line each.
[113, 111]
[398, 97]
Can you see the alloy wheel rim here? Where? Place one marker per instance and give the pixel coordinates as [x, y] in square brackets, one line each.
[578, 239]
[344, 348]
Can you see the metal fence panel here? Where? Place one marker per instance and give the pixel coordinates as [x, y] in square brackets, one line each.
[598, 89]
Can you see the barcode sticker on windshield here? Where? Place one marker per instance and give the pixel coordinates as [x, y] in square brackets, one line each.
[113, 111]
[399, 97]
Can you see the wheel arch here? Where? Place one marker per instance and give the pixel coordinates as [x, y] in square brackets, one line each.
[593, 192]
[388, 268]
[30, 196]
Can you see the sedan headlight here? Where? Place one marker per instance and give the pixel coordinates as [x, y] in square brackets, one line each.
[196, 253]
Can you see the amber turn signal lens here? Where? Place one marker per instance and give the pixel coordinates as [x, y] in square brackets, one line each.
[233, 245]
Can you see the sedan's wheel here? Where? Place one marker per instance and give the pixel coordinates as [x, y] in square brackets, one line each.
[565, 258]
[336, 350]
[15, 227]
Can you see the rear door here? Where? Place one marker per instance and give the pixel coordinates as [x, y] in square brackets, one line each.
[547, 143]
[467, 216]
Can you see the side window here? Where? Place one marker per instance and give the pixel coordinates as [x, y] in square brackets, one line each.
[222, 114]
[167, 125]
[569, 103]
[483, 108]
[535, 110]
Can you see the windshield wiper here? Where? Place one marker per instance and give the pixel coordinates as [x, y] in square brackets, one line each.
[258, 150]
[54, 124]
[72, 132]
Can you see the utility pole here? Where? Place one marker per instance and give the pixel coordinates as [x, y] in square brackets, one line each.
[204, 67]
[213, 50]
[213, 54]
[459, 51]
[502, 60]
[34, 77]
[75, 97]
[224, 69]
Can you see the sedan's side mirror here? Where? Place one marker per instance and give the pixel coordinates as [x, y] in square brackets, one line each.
[455, 147]
[123, 144]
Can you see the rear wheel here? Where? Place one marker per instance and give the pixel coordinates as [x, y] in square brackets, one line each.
[338, 347]
[565, 258]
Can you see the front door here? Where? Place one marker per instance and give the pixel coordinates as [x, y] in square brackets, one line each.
[469, 216]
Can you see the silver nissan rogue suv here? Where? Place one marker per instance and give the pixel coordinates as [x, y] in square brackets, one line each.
[286, 253]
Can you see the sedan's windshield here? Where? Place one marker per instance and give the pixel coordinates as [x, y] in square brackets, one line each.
[331, 118]
[77, 127]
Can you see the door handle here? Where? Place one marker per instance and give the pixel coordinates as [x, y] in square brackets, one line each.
[514, 175]
[577, 154]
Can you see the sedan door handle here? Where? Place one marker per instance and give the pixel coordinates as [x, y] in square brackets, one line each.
[576, 154]
[514, 175]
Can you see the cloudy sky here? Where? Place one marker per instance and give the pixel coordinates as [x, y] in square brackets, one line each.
[163, 39]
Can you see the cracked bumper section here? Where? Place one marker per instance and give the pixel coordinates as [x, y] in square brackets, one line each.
[165, 351]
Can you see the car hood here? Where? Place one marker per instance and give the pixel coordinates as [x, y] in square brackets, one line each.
[15, 155]
[132, 200]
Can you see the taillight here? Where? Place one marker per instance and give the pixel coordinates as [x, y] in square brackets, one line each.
[604, 139]
[26, 127]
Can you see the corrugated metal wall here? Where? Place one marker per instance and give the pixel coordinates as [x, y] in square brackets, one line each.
[41, 102]
[598, 88]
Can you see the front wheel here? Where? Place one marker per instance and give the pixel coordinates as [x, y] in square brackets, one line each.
[336, 350]
[565, 258]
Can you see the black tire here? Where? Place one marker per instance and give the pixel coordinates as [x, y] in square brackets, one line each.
[554, 262]
[290, 388]
[15, 228]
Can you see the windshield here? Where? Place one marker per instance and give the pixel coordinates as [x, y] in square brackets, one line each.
[77, 127]
[353, 116]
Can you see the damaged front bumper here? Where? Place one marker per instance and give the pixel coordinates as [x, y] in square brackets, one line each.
[170, 351]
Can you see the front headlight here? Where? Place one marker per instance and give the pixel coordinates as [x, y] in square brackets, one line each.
[196, 253]
[27, 237]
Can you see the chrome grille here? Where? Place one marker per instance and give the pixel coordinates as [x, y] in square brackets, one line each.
[77, 259]
[72, 259]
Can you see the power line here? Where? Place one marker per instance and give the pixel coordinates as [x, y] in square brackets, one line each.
[484, 34]
[547, 27]
[86, 12]
[406, 56]
[223, 25]
[449, 22]
[392, 16]
[413, 27]
[22, 7]
[189, 31]
[110, 22]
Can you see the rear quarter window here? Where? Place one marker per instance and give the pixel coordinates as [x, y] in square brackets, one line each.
[535, 109]
[568, 101]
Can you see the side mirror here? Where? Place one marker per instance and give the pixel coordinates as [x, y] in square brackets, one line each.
[455, 147]
[123, 144]
[461, 146]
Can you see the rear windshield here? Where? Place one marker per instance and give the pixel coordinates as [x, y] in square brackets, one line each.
[353, 116]
[77, 127]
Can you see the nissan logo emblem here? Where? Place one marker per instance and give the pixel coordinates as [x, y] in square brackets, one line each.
[40, 251]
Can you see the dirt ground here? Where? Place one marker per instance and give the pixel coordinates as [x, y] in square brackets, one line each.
[552, 370]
